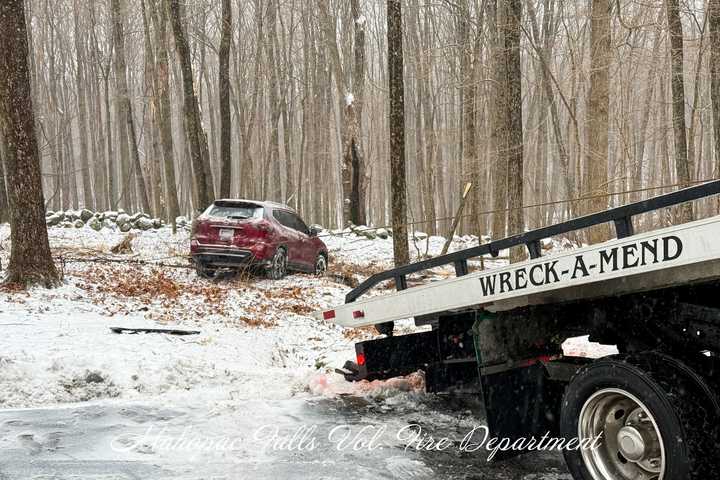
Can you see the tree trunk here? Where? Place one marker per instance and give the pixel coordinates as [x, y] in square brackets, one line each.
[224, 93]
[152, 136]
[677, 59]
[714, 10]
[191, 112]
[30, 259]
[397, 133]
[111, 166]
[272, 175]
[164, 109]
[498, 19]
[598, 119]
[139, 174]
[515, 161]
[468, 135]
[359, 179]
[122, 93]
[4, 203]
[82, 113]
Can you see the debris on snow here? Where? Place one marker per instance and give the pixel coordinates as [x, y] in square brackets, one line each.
[125, 246]
[168, 331]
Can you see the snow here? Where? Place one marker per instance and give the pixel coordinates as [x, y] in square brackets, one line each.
[349, 99]
[259, 348]
[361, 20]
[254, 332]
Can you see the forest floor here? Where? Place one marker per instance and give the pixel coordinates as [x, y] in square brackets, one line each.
[252, 396]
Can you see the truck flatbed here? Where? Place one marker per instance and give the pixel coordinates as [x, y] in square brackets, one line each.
[662, 258]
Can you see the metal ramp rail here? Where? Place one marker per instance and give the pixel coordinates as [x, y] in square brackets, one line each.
[621, 217]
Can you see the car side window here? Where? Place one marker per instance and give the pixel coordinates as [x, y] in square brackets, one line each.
[298, 224]
[291, 220]
[283, 218]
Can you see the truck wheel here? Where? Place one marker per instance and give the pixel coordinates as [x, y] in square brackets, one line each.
[278, 266]
[655, 422]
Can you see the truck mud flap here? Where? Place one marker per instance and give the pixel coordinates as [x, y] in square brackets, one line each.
[521, 400]
[521, 403]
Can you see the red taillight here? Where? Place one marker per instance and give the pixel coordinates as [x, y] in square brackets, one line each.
[329, 315]
[361, 359]
[358, 314]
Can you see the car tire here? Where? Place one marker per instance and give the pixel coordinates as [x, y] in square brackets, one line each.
[321, 265]
[205, 272]
[656, 419]
[278, 266]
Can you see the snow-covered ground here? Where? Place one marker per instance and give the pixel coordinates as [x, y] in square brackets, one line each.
[75, 397]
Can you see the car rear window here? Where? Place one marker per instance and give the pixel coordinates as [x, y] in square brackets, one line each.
[234, 210]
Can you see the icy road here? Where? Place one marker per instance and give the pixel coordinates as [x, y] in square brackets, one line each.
[146, 440]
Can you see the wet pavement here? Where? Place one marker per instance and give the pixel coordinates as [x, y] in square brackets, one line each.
[320, 438]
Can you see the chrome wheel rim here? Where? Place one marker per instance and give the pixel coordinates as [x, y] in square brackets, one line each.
[321, 265]
[279, 265]
[631, 446]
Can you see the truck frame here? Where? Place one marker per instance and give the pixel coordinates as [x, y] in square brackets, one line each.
[655, 406]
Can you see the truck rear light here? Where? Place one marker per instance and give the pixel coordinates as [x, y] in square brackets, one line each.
[358, 314]
[361, 359]
[329, 315]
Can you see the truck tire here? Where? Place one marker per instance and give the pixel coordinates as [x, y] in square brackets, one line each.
[658, 420]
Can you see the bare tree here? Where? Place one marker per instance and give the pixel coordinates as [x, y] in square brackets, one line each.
[30, 259]
[714, 11]
[677, 61]
[355, 110]
[224, 91]
[498, 15]
[88, 199]
[122, 99]
[4, 203]
[398, 183]
[513, 115]
[598, 115]
[193, 124]
[163, 107]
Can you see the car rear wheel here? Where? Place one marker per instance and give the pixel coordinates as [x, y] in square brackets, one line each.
[206, 272]
[321, 265]
[650, 415]
[278, 267]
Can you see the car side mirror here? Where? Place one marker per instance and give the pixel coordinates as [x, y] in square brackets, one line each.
[314, 231]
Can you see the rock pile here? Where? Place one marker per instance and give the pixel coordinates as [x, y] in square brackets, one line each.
[114, 220]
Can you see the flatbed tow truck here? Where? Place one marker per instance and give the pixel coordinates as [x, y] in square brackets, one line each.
[654, 407]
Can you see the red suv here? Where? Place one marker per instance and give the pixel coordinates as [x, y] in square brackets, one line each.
[234, 234]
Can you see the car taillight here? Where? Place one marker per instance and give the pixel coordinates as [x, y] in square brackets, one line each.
[358, 314]
[329, 315]
[361, 359]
